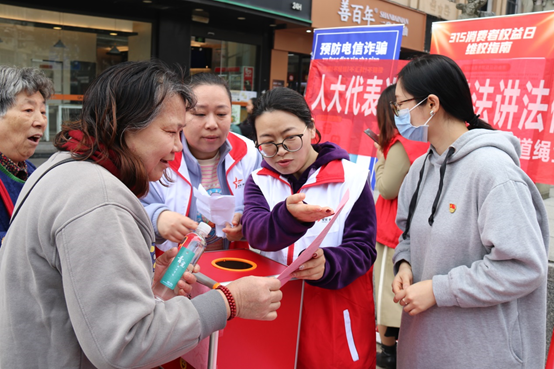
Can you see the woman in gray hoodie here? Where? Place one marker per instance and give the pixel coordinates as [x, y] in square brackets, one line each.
[472, 261]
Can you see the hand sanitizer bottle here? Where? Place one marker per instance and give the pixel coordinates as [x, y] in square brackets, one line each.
[190, 250]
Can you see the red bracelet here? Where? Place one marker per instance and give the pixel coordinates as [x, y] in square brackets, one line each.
[230, 299]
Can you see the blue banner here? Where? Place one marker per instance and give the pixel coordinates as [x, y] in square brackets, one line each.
[365, 42]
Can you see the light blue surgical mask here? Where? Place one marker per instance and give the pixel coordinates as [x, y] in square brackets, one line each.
[407, 129]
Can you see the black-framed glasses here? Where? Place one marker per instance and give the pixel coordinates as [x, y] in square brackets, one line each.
[291, 144]
[395, 106]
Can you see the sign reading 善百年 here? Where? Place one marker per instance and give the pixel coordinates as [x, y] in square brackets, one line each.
[509, 64]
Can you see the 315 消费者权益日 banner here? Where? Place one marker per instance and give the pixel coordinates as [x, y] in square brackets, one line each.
[509, 64]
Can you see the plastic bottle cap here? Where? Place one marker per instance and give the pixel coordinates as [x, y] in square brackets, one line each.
[203, 229]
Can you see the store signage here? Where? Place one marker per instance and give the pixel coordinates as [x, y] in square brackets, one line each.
[299, 10]
[357, 12]
[444, 9]
[347, 13]
[509, 64]
[360, 15]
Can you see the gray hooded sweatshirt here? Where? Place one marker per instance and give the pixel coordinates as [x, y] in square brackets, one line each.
[486, 253]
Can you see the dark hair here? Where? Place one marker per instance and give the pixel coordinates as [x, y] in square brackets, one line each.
[126, 96]
[440, 75]
[385, 116]
[14, 80]
[204, 79]
[282, 99]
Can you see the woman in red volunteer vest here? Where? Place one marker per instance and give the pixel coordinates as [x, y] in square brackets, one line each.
[213, 157]
[396, 154]
[288, 202]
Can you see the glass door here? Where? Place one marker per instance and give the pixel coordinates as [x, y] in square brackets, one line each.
[297, 72]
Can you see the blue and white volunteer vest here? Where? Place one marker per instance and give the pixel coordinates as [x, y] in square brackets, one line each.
[239, 163]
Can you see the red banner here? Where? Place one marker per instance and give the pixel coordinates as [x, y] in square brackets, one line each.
[509, 64]
[527, 35]
[343, 94]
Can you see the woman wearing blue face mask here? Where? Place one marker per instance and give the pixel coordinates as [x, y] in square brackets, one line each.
[472, 260]
[404, 125]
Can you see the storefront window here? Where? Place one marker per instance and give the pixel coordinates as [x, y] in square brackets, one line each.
[70, 49]
[235, 62]
[231, 60]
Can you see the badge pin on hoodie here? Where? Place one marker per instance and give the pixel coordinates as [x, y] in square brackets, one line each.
[452, 208]
[407, 130]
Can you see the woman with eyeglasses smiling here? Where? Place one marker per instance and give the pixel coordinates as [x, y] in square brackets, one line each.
[472, 261]
[288, 202]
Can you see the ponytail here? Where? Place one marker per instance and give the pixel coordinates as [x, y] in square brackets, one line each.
[475, 122]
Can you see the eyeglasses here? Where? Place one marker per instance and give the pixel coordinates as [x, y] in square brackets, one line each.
[291, 144]
[395, 106]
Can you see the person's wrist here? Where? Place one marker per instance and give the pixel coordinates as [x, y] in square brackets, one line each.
[230, 300]
[157, 224]
[405, 264]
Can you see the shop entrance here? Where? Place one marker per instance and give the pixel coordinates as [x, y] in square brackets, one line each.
[297, 72]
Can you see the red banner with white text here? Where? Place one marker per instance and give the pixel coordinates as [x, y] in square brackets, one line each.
[343, 98]
[509, 64]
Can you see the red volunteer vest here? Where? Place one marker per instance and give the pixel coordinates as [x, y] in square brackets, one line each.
[388, 232]
[337, 329]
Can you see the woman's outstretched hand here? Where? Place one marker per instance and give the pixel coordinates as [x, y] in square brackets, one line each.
[305, 212]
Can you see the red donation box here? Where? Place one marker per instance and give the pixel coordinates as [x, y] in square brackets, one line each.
[252, 344]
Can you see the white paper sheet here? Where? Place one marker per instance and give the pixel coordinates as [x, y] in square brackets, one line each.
[217, 208]
[285, 276]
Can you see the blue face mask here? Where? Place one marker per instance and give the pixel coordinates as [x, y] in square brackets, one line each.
[409, 131]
